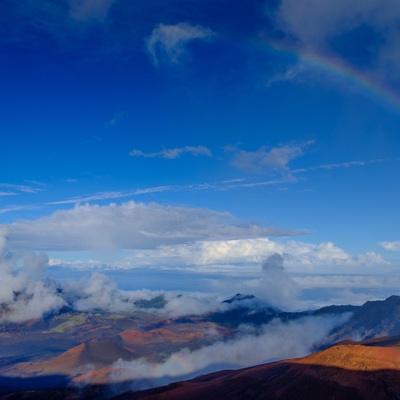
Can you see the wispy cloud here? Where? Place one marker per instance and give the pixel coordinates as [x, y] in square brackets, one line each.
[347, 164]
[216, 186]
[22, 188]
[171, 154]
[116, 118]
[266, 160]
[100, 196]
[14, 208]
[7, 194]
[391, 246]
[169, 42]
[83, 10]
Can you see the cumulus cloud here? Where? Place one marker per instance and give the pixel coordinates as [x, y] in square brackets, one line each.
[273, 341]
[298, 255]
[266, 160]
[391, 246]
[169, 42]
[130, 225]
[23, 293]
[26, 293]
[173, 153]
[278, 287]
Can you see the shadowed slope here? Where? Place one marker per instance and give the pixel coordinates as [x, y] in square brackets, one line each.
[343, 372]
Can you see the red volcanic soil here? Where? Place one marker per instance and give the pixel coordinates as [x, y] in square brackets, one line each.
[133, 337]
[93, 354]
[343, 372]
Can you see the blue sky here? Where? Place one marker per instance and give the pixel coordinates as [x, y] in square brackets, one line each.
[202, 136]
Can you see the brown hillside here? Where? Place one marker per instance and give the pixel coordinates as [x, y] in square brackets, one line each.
[342, 372]
[71, 362]
[161, 335]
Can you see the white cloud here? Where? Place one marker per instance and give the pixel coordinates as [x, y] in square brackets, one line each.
[348, 164]
[173, 153]
[7, 194]
[289, 74]
[23, 294]
[299, 256]
[130, 225]
[279, 288]
[168, 42]
[21, 188]
[391, 246]
[274, 341]
[269, 160]
[239, 257]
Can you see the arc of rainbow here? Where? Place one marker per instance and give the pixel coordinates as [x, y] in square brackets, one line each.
[381, 93]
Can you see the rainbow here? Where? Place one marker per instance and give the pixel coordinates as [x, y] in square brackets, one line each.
[379, 92]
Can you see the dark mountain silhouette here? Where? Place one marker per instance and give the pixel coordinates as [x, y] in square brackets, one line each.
[240, 297]
[372, 319]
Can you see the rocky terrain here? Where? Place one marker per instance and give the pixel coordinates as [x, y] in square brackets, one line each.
[79, 354]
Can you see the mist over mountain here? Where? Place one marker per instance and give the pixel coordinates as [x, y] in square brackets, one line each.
[92, 334]
[356, 370]
[141, 349]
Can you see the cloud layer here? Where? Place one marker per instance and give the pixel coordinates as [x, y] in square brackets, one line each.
[130, 225]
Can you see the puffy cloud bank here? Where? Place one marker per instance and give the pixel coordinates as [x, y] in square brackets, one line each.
[299, 256]
[26, 293]
[23, 294]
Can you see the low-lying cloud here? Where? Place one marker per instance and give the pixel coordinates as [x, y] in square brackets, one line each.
[274, 341]
[26, 293]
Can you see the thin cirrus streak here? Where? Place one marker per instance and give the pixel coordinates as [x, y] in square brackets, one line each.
[226, 185]
[21, 188]
[347, 164]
